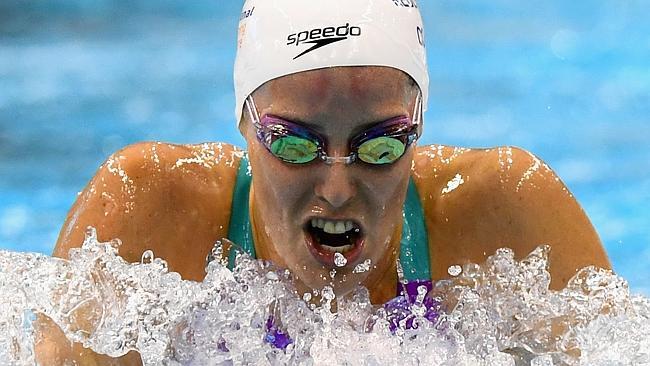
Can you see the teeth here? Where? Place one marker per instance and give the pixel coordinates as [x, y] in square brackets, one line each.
[329, 227]
[333, 226]
[348, 225]
[341, 249]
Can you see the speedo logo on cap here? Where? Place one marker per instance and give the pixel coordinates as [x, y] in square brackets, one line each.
[320, 37]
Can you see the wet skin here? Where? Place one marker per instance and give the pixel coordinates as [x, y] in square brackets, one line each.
[176, 199]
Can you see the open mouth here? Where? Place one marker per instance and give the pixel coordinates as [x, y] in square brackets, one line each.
[326, 237]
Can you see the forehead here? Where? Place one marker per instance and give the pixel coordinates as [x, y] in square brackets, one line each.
[357, 78]
[335, 90]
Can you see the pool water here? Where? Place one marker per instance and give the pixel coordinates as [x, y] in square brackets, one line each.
[568, 81]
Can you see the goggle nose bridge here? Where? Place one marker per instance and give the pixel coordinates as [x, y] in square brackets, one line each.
[330, 160]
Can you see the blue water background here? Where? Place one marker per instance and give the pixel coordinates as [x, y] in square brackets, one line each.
[567, 80]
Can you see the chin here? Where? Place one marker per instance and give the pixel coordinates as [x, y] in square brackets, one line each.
[313, 271]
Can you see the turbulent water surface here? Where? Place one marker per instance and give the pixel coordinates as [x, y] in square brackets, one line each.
[500, 312]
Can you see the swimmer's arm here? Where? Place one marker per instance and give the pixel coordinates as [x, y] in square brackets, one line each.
[172, 199]
[53, 349]
[510, 198]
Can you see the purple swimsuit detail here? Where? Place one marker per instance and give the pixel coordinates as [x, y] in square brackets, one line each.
[399, 313]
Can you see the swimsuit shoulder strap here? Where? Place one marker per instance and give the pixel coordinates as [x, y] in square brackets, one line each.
[240, 231]
[414, 245]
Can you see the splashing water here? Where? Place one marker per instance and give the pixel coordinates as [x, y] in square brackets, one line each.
[497, 313]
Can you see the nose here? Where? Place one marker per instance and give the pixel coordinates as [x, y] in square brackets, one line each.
[336, 185]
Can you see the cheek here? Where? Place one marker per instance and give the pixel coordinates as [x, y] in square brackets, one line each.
[387, 187]
[278, 187]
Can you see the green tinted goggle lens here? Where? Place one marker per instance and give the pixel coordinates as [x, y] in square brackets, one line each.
[379, 150]
[294, 149]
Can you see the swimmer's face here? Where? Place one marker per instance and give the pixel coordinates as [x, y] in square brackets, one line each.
[338, 103]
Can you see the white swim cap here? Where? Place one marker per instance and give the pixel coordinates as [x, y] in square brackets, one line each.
[282, 37]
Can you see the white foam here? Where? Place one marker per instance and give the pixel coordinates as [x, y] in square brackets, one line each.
[497, 313]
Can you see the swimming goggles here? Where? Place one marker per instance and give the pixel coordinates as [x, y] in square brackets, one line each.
[383, 143]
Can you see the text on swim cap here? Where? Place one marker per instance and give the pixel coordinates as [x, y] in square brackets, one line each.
[406, 3]
[246, 13]
[322, 36]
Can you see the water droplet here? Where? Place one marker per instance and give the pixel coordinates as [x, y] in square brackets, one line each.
[362, 267]
[340, 260]
[147, 257]
[454, 270]
[328, 293]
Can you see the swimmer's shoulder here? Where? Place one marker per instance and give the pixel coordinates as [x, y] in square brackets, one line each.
[442, 169]
[479, 200]
[209, 167]
[172, 199]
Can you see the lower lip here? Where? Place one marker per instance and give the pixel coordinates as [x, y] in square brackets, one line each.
[327, 258]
